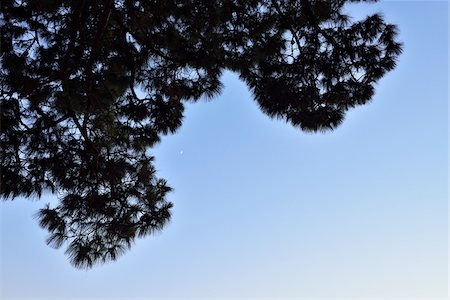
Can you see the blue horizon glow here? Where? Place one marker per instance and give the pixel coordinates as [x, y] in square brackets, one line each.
[264, 210]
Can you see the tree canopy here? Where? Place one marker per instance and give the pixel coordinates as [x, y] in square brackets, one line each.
[88, 87]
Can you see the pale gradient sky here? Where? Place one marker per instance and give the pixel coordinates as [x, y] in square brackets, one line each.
[264, 210]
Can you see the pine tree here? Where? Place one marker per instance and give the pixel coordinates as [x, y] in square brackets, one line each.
[88, 87]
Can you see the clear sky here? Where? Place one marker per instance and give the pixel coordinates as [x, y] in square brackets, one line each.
[264, 210]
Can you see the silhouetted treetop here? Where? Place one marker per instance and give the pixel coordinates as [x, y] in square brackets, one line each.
[88, 87]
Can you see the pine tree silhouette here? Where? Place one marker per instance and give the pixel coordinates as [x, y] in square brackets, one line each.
[87, 87]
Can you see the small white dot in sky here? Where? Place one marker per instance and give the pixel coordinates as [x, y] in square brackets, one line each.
[181, 152]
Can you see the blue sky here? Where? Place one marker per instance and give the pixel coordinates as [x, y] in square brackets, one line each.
[264, 210]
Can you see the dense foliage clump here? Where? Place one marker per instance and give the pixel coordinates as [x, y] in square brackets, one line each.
[88, 87]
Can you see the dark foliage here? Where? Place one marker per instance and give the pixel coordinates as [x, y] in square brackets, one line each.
[88, 87]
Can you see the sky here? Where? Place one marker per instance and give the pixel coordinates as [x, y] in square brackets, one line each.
[262, 209]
